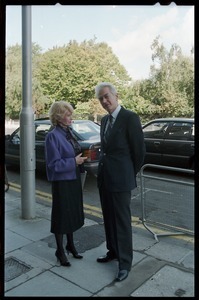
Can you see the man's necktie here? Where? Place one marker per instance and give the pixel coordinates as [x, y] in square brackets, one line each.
[108, 130]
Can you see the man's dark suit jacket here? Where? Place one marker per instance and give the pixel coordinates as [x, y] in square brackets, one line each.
[123, 155]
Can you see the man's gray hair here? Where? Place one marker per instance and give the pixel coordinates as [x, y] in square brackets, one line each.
[102, 85]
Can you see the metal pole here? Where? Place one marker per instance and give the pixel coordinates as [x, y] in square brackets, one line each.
[27, 129]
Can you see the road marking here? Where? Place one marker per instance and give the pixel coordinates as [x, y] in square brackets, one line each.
[97, 212]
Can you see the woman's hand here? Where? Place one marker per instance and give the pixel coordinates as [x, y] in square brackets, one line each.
[80, 159]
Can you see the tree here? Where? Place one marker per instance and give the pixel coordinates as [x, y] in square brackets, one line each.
[90, 110]
[172, 81]
[135, 100]
[71, 72]
[14, 80]
[169, 91]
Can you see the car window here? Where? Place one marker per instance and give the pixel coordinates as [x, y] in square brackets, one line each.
[16, 137]
[86, 130]
[155, 130]
[41, 130]
[181, 131]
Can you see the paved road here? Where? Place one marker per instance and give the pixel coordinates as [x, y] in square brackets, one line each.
[162, 202]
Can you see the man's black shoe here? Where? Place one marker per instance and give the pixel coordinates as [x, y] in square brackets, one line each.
[105, 258]
[122, 274]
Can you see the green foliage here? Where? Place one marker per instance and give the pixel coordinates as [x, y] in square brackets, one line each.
[14, 80]
[89, 110]
[173, 80]
[71, 72]
[169, 92]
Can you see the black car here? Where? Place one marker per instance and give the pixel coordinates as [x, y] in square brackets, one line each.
[87, 133]
[170, 142]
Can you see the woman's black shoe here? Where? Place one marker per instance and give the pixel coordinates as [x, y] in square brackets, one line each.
[73, 251]
[62, 259]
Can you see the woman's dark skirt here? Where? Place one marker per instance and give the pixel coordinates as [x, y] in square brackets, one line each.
[67, 206]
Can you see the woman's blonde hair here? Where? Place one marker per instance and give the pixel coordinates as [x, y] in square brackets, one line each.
[57, 111]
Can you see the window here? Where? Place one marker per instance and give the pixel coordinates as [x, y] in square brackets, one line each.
[16, 137]
[41, 130]
[86, 130]
[180, 131]
[155, 130]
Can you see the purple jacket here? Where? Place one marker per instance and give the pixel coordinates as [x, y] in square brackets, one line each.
[60, 156]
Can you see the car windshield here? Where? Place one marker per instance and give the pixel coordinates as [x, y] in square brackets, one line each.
[87, 130]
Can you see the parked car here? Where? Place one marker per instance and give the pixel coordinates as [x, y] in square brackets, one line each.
[86, 132]
[170, 142]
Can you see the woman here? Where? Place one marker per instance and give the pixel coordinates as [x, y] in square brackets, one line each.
[63, 162]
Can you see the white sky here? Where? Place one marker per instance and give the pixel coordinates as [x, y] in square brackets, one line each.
[128, 29]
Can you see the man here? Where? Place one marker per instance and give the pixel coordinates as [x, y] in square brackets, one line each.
[122, 155]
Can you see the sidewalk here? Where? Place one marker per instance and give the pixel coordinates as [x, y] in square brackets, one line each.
[159, 269]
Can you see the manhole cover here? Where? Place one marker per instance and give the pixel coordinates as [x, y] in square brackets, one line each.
[14, 268]
[180, 292]
[85, 238]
